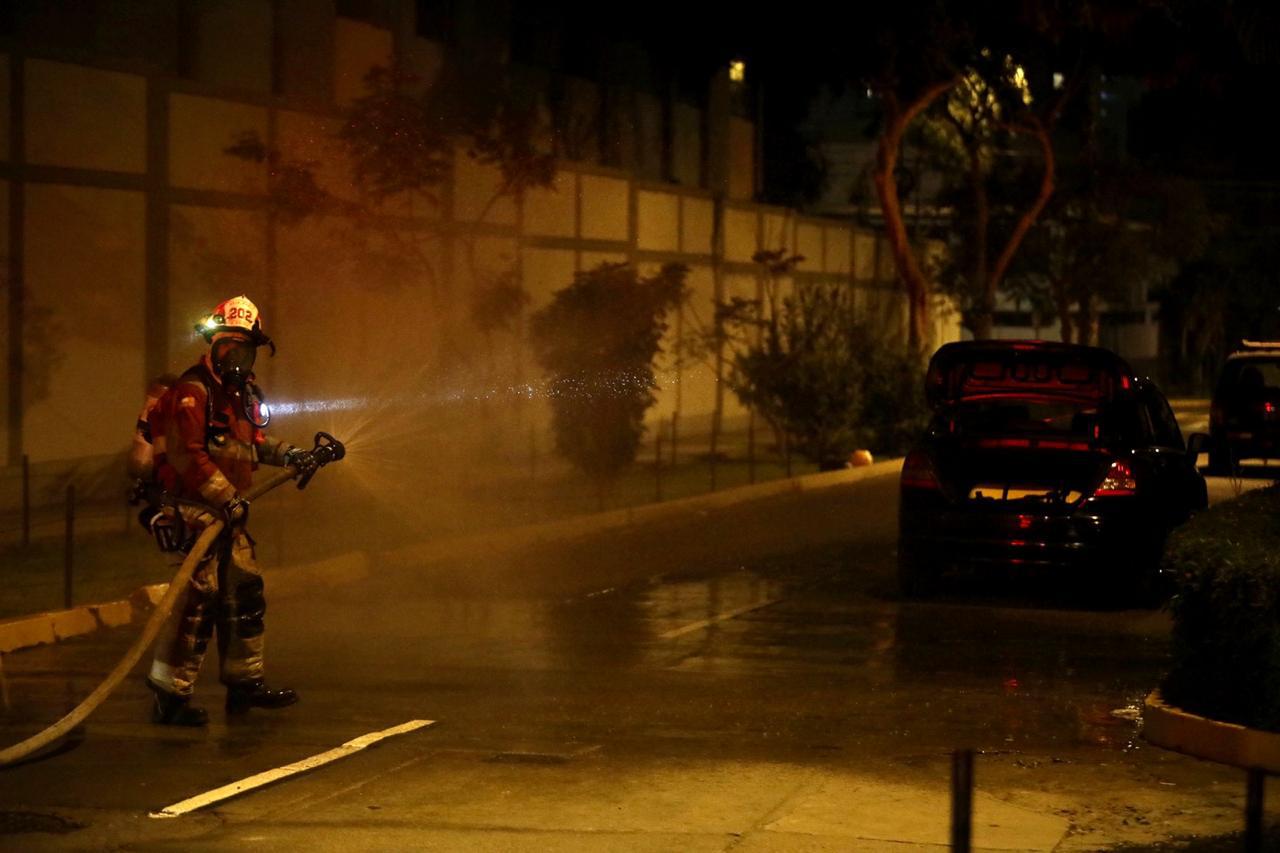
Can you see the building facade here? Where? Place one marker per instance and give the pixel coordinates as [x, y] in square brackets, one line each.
[123, 218]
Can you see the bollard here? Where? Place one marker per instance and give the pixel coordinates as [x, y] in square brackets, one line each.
[962, 800]
[26, 500]
[1255, 789]
[69, 546]
[657, 464]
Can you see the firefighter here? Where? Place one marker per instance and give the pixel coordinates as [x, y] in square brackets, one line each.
[212, 423]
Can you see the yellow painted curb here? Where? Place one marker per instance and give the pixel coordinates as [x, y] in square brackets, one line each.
[1226, 743]
[26, 631]
[73, 622]
[56, 625]
[113, 614]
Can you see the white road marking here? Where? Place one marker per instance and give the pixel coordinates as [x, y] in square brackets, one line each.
[268, 776]
[720, 617]
[310, 801]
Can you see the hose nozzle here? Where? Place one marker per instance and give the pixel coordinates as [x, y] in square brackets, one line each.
[327, 449]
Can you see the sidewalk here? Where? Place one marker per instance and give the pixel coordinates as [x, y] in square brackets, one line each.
[348, 509]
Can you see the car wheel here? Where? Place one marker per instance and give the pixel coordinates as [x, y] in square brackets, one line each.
[916, 577]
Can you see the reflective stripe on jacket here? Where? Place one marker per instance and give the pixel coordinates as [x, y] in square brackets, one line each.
[213, 448]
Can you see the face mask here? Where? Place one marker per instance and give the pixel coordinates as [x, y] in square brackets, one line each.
[233, 361]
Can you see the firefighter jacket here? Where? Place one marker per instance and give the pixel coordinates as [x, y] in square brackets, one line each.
[208, 444]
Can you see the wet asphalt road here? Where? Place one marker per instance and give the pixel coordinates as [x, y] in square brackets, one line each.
[746, 679]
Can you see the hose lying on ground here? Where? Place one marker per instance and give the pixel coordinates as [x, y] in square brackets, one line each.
[90, 703]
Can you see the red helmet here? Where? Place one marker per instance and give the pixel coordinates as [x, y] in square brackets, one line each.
[237, 314]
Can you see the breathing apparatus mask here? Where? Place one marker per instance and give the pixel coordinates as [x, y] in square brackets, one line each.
[233, 359]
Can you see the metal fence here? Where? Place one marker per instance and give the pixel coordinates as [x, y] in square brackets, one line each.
[36, 497]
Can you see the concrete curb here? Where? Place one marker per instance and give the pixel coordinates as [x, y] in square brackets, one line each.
[493, 542]
[1226, 743]
[55, 626]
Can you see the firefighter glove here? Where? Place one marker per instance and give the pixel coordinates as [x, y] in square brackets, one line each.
[161, 527]
[236, 510]
[304, 461]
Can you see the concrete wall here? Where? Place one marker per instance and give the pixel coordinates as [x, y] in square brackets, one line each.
[84, 118]
[232, 44]
[132, 222]
[85, 291]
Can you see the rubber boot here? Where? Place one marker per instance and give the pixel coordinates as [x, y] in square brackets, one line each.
[170, 709]
[256, 694]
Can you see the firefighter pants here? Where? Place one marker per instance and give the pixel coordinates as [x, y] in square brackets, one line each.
[224, 596]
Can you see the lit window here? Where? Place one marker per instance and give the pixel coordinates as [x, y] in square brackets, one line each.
[737, 71]
[1058, 79]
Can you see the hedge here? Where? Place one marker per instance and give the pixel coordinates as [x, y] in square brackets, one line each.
[1225, 564]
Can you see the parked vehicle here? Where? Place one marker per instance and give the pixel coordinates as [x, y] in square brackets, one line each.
[1244, 419]
[1045, 456]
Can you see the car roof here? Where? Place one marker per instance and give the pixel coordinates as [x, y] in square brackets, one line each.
[1027, 346]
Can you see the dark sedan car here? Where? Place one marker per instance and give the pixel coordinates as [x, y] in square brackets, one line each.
[1044, 456]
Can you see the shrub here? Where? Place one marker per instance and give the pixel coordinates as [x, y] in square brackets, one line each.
[1226, 612]
[597, 342]
[828, 380]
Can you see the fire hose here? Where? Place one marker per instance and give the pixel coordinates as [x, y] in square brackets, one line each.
[327, 449]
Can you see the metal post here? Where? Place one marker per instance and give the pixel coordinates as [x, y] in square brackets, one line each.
[657, 464]
[26, 500]
[711, 457]
[1255, 786]
[962, 800]
[69, 546]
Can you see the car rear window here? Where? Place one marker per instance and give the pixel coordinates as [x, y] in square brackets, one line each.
[1076, 375]
[987, 375]
[1251, 373]
[1073, 420]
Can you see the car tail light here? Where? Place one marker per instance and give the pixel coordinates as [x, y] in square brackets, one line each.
[917, 472]
[1118, 482]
